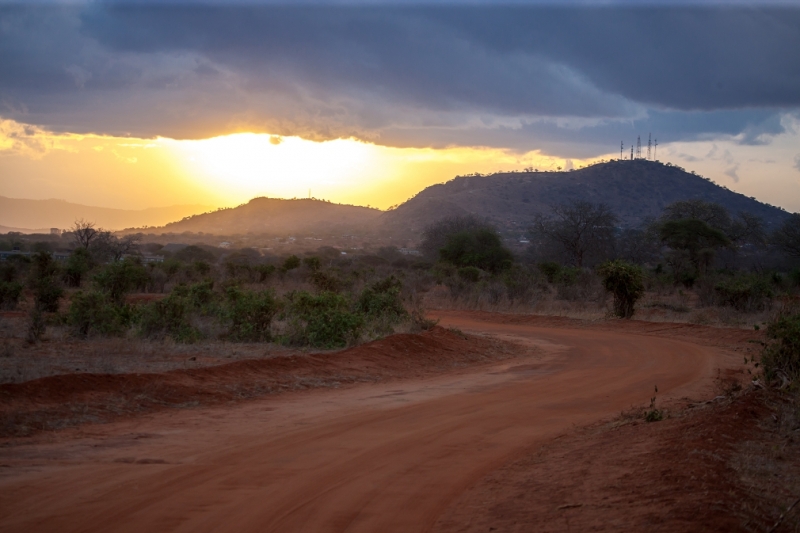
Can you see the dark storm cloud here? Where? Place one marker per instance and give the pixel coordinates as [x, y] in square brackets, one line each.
[432, 75]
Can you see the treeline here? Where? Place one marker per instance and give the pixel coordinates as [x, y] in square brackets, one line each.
[580, 250]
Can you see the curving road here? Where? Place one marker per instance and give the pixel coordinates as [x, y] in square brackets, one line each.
[387, 457]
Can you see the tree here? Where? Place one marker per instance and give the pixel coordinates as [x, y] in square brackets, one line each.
[625, 282]
[109, 247]
[580, 231]
[84, 233]
[787, 237]
[712, 214]
[481, 248]
[695, 237]
[435, 235]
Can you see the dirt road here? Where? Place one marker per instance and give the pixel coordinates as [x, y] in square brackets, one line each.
[387, 457]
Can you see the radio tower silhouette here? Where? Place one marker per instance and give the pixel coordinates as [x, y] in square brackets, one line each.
[621, 146]
[638, 147]
[631, 153]
[649, 144]
[655, 150]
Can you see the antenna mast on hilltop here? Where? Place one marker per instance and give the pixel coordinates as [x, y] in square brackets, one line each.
[631, 153]
[655, 150]
[649, 144]
[621, 146]
[638, 147]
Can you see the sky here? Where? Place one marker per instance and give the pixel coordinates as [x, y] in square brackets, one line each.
[142, 104]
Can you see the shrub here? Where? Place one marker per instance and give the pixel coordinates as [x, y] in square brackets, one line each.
[121, 277]
[323, 320]
[551, 270]
[313, 263]
[382, 299]
[324, 281]
[78, 264]
[169, 317]
[781, 357]
[94, 312]
[10, 291]
[469, 273]
[249, 314]
[47, 292]
[744, 293]
[481, 248]
[625, 282]
[291, 263]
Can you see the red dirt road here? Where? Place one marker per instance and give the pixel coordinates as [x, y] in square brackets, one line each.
[385, 457]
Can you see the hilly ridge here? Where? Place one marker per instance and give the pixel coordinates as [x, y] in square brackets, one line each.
[276, 216]
[634, 190]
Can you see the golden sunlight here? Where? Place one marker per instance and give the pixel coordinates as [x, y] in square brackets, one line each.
[229, 170]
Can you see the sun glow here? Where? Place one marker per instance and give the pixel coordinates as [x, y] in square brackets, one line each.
[135, 173]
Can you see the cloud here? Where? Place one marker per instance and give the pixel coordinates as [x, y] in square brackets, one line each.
[733, 172]
[797, 162]
[27, 140]
[512, 76]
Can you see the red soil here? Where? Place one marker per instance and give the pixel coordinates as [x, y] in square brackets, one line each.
[410, 455]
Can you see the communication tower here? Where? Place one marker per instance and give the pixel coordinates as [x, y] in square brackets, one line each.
[638, 147]
[655, 150]
[631, 153]
[621, 146]
[649, 144]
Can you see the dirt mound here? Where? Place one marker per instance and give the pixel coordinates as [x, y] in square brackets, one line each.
[67, 400]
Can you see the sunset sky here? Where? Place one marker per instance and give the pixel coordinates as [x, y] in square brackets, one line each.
[143, 104]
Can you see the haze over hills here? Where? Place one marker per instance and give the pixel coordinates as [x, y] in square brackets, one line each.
[37, 215]
[634, 190]
[279, 217]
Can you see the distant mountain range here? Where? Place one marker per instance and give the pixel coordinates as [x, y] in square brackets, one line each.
[28, 216]
[634, 190]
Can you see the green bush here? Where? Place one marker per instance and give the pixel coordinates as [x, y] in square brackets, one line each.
[313, 263]
[291, 263]
[551, 270]
[322, 320]
[170, 317]
[481, 248]
[10, 291]
[94, 313]
[780, 360]
[47, 292]
[78, 264]
[121, 277]
[382, 300]
[469, 273]
[248, 314]
[744, 292]
[626, 282]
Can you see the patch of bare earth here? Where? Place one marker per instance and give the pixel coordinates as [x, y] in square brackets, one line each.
[732, 464]
[66, 400]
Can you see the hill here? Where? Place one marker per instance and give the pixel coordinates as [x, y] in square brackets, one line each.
[20, 214]
[279, 217]
[634, 190]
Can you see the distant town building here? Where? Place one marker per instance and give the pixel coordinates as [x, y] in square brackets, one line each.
[55, 231]
[225, 244]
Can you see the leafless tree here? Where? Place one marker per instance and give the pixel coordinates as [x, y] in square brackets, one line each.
[579, 231]
[84, 233]
[108, 246]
